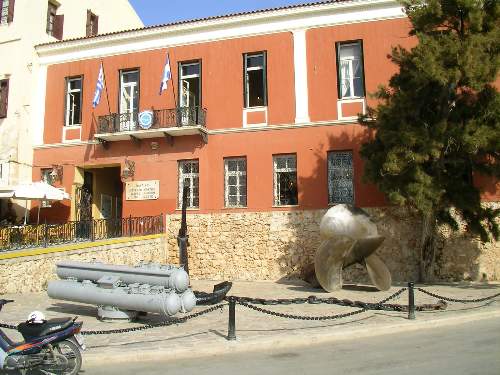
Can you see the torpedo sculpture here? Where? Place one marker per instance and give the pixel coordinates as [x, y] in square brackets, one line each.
[348, 237]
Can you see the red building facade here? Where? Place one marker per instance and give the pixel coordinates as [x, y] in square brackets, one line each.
[259, 114]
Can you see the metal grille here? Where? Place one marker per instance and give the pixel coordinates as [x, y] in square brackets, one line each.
[285, 180]
[340, 177]
[189, 175]
[235, 182]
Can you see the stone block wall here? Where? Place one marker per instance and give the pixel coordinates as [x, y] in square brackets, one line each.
[281, 244]
[32, 274]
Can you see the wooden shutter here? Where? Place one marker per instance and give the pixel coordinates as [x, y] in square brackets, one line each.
[4, 97]
[10, 16]
[58, 27]
[88, 31]
[95, 25]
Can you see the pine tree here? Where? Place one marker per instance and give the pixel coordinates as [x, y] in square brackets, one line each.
[437, 125]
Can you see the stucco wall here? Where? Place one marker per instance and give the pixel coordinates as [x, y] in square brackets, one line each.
[276, 245]
[32, 274]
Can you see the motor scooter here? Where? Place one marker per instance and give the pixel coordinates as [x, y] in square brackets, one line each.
[52, 347]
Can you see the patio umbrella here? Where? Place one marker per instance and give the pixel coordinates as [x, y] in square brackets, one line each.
[34, 191]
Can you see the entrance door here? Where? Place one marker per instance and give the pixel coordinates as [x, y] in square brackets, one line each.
[129, 99]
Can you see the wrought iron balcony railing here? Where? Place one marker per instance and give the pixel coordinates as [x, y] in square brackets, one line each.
[162, 118]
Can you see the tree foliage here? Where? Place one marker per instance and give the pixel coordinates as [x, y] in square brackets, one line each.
[438, 120]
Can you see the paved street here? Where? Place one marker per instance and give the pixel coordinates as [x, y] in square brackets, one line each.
[472, 348]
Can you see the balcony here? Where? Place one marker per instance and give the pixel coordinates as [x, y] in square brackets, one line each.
[167, 123]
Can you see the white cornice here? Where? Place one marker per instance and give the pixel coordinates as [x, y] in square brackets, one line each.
[238, 26]
[226, 131]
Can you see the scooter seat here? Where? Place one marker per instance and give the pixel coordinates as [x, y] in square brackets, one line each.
[33, 330]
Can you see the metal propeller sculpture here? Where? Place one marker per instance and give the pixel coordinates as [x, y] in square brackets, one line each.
[349, 237]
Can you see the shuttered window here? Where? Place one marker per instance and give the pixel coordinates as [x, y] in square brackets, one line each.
[189, 177]
[92, 25]
[4, 97]
[55, 22]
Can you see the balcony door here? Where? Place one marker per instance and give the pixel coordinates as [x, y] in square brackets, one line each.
[129, 99]
[190, 92]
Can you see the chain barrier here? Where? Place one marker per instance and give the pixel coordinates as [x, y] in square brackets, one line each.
[456, 299]
[162, 324]
[245, 301]
[7, 326]
[331, 301]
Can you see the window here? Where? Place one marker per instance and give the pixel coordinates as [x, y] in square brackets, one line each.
[190, 91]
[4, 97]
[46, 174]
[92, 26]
[285, 180]
[340, 177]
[6, 11]
[255, 90]
[189, 176]
[73, 101]
[129, 98]
[235, 182]
[350, 70]
[54, 22]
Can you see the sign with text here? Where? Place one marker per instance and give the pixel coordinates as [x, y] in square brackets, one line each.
[142, 190]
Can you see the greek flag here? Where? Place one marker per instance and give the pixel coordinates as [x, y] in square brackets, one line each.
[167, 75]
[98, 87]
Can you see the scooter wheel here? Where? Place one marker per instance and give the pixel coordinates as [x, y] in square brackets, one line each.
[71, 351]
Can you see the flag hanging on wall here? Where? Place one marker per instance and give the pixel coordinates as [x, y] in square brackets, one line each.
[167, 75]
[98, 88]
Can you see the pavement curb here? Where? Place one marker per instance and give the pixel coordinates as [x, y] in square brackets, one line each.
[281, 341]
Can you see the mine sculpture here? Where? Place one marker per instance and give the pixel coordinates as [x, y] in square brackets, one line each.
[348, 237]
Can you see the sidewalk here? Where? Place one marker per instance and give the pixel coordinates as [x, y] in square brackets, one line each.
[206, 335]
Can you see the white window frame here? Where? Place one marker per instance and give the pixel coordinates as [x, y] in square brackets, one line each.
[240, 188]
[350, 60]
[262, 67]
[191, 176]
[70, 92]
[130, 124]
[287, 169]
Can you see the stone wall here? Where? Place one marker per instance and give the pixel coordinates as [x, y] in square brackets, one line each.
[32, 274]
[281, 244]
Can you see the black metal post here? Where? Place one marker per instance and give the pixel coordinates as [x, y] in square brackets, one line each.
[45, 234]
[231, 331]
[411, 300]
[130, 226]
[92, 230]
[182, 237]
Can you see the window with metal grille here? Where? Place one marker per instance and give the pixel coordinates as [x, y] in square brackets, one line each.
[285, 180]
[235, 182]
[255, 80]
[189, 176]
[340, 177]
[350, 70]
[4, 97]
[73, 101]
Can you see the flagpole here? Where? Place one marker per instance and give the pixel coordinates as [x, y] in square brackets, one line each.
[173, 88]
[105, 87]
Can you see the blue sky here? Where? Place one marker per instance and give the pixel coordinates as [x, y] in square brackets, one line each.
[155, 12]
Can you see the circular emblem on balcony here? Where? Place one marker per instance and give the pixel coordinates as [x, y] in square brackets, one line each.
[146, 119]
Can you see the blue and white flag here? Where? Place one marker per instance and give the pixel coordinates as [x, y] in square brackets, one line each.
[98, 88]
[167, 75]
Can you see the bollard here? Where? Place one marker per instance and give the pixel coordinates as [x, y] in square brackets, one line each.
[231, 331]
[411, 300]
